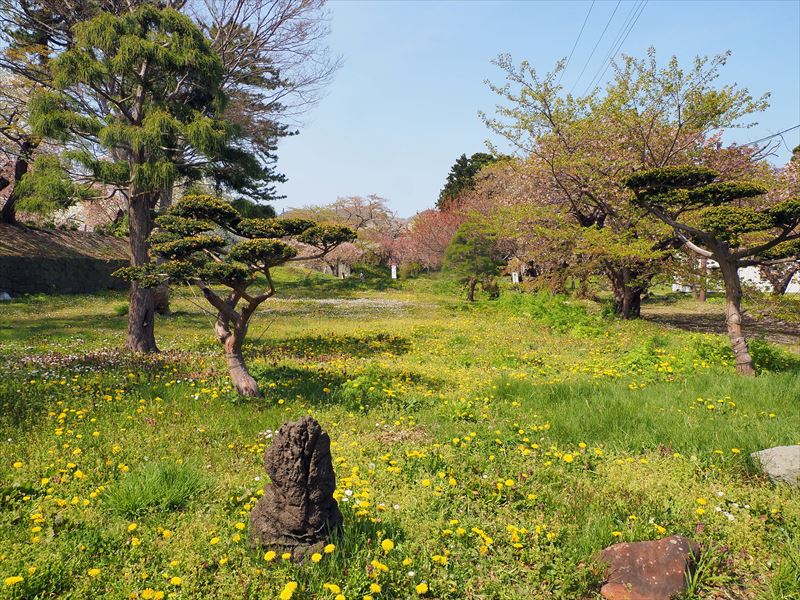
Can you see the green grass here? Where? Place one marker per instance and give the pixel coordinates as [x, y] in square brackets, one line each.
[154, 487]
[513, 438]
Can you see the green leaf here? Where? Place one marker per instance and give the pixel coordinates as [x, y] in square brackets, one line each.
[205, 207]
[188, 245]
[264, 252]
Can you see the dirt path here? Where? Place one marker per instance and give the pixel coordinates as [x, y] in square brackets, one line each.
[710, 318]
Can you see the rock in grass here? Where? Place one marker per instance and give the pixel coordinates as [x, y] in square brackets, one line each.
[297, 511]
[655, 570]
[781, 463]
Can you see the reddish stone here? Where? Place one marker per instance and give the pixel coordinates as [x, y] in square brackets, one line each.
[655, 570]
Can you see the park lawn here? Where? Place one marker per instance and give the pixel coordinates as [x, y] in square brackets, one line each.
[499, 445]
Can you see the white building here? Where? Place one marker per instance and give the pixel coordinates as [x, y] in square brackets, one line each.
[748, 275]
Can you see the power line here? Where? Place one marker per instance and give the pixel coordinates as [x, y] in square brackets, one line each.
[623, 34]
[576, 42]
[588, 60]
[769, 137]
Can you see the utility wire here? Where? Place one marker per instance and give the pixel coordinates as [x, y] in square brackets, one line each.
[623, 34]
[774, 135]
[575, 45]
[588, 60]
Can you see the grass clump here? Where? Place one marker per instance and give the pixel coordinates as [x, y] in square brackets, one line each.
[156, 486]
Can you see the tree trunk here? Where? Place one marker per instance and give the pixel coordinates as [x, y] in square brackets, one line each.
[779, 276]
[471, 283]
[161, 292]
[232, 341]
[9, 213]
[628, 303]
[627, 296]
[701, 294]
[244, 383]
[141, 314]
[733, 314]
[787, 280]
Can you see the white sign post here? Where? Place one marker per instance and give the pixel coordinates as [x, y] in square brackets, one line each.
[394, 271]
[514, 277]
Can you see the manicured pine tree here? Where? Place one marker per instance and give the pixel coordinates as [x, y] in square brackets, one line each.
[713, 219]
[137, 97]
[206, 242]
[473, 255]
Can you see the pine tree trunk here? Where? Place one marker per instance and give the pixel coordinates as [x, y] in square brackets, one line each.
[244, 383]
[141, 314]
[471, 283]
[786, 281]
[733, 314]
[9, 212]
[701, 295]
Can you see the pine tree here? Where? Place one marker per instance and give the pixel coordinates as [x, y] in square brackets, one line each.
[474, 256]
[714, 220]
[138, 97]
[462, 178]
[206, 242]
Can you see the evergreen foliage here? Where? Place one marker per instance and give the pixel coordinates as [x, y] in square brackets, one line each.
[732, 222]
[474, 256]
[462, 178]
[202, 240]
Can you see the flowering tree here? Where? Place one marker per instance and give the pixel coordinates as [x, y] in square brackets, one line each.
[647, 117]
[429, 234]
[713, 219]
[205, 241]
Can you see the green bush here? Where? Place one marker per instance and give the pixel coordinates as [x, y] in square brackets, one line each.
[553, 310]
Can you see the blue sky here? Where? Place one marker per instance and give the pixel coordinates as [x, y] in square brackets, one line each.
[404, 104]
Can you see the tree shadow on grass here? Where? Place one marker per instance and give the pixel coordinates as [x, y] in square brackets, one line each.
[321, 286]
[59, 328]
[772, 330]
[322, 387]
[321, 347]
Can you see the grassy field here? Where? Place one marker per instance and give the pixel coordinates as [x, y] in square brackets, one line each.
[498, 445]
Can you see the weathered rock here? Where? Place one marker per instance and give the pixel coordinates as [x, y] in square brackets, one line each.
[655, 570]
[781, 463]
[297, 510]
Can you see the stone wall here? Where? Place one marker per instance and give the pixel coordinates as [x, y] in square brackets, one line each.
[59, 262]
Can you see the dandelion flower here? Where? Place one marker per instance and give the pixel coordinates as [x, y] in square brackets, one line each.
[94, 572]
[316, 557]
[329, 548]
[288, 590]
[13, 580]
[132, 527]
[387, 545]
[568, 458]
[270, 555]
[176, 581]
[421, 588]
